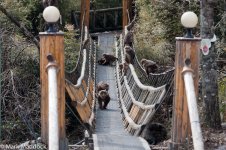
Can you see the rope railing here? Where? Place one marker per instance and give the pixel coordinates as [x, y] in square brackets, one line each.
[93, 70]
[79, 81]
[83, 66]
[138, 101]
[142, 86]
[124, 109]
[192, 108]
[76, 70]
[82, 91]
[139, 104]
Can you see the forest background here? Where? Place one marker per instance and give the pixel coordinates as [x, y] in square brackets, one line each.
[157, 25]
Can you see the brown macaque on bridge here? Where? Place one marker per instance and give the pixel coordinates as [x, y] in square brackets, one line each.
[107, 59]
[149, 66]
[103, 99]
[102, 86]
[129, 54]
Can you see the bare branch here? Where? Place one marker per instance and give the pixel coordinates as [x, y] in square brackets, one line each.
[22, 27]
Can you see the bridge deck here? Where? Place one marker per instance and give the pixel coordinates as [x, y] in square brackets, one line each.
[109, 132]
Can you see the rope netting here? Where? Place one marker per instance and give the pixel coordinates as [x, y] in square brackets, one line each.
[83, 91]
[139, 102]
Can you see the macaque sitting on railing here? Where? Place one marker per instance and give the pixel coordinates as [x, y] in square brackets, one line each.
[123, 67]
[129, 54]
[107, 59]
[149, 66]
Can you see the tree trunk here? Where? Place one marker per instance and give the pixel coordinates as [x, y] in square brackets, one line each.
[209, 67]
[22, 27]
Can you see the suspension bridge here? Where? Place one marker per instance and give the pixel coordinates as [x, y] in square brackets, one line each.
[135, 95]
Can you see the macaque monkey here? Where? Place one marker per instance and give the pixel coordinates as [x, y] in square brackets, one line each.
[149, 66]
[123, 67]
[129, 54]
[102, 86]
[128, 39]
[107, 59]
[103, 99]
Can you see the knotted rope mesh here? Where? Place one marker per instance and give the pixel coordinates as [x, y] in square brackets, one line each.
[139, 101]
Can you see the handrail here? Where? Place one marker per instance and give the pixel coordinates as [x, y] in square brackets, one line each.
[128, 118]
[94, 90]
[192, 108]
[88, 85]
[153, 96]
[140, 104]
[142, 86]
[79, 81]
[53, 104]
[80, 50]
[86, 33]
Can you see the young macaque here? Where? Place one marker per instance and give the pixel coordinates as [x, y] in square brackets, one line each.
[102, 86]
[107, 59]
[102, 61]
[129, 54]
[128, 39]
[149, 66]
[123, 67]
[103, 99]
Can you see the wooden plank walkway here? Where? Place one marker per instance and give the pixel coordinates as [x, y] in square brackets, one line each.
[109, 132]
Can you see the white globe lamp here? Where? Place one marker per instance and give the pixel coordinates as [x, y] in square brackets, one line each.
[51, 14]
[189, 20]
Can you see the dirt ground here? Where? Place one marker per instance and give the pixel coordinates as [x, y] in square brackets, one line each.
[213, 140]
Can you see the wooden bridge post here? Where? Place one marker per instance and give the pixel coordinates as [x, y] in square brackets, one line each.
[52, 43]
[187, 49]
[85, 9]
[126, 8]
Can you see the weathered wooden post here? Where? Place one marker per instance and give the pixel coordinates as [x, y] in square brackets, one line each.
[187, 50]
[126, 12]
[52, 42]
[0, 90]
[85, 9]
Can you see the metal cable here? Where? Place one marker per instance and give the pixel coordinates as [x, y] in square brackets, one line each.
[76, 116]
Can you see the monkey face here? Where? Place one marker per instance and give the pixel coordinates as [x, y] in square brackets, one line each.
[143, 61]
[103, 94]
[128, 48]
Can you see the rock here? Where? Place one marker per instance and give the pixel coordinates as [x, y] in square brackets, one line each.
[154, 133]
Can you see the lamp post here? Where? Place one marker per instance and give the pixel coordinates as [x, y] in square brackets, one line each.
[189, 20]
[52, 42]
[187, 54]
[51, 15]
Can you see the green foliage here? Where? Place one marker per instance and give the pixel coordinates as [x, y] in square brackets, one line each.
[222, 95]
[72, 48]
[66, 8]
[158, 25]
